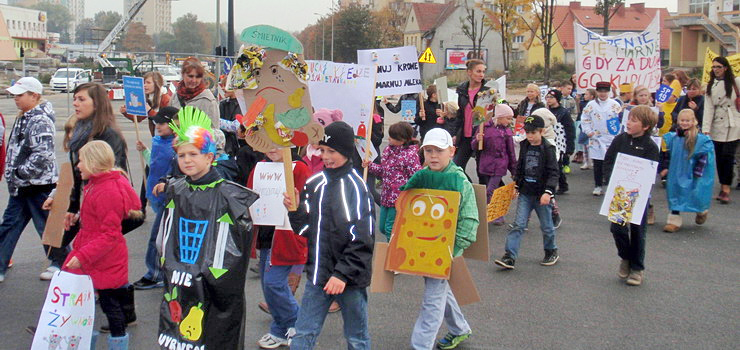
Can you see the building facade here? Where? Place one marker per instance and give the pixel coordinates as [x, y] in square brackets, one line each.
[704, 24]
[25, 29]
[156, 15]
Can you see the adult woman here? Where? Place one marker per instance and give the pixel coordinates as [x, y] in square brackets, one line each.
[153, 82]
[467, 95]
[192, 91]
[722, 121]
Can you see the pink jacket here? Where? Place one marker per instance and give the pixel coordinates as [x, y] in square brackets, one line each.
[100, 246]
[396, 167]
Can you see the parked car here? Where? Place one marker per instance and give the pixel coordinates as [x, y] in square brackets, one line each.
[170, 73]
[65, 79]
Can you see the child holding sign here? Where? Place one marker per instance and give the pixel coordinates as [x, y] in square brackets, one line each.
[99, 250]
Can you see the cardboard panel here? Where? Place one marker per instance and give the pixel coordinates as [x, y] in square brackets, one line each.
[479, 249]
[54, 230]
[382, 279]
[461, 283]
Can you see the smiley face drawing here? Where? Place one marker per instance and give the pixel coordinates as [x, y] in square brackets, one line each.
[424, 233]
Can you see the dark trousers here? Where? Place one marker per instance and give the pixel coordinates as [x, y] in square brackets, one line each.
[112, 302]
[630, 242]
[463, 152]
[725, 152]
[562, 181]
[598, 172]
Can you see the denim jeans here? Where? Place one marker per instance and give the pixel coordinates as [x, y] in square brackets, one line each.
[314, 307]
[438, 305]
[524, 207]
[281, 302]
[153, 269]
[20, 210]
[630, 242]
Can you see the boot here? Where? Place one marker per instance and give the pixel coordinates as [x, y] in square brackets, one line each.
[118, 343]
[673, 223]
[701, 218]
[294, 280]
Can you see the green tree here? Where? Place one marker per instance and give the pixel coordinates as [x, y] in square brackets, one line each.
[106, 19]
[354, 29]
[191, 35]
[85, 32]
[58, 17]
[607, 9]
[136, 39]
[388, 25]
[504, 18]
[165, 42]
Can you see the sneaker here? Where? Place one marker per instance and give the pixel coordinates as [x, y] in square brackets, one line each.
[701, 218]
[269, 341]
[597, 191]
[556, 221]
[334, 307]
[290, 334]
[561, 191]
[566, 169]
[49, 273]
[585, 166]
[507, 262]
[263, 306]
[624, 269]
[551, 258]
[145, 283]
[635, 278]
[451, 341]
[10, 263]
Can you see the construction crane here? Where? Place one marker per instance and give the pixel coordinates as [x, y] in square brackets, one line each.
[120, 26]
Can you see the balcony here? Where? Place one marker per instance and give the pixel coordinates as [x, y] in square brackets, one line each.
[724, 30]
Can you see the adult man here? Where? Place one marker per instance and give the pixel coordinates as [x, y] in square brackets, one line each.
[31, 172]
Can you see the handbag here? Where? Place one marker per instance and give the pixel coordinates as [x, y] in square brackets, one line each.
[737, 98]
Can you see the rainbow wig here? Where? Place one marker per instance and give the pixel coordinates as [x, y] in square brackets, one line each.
[195, 129]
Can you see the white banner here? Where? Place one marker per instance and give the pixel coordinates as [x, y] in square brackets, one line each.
[344, 86]
[269, 183]
[66, 321]
[625, 58]
[629, 189]
[398, 69]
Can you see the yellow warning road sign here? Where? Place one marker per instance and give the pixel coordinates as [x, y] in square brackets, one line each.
[427, 56]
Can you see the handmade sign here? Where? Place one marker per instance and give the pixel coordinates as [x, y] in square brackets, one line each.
[625, 58]
[441, 84]
[709, 56]
[408, 110]
[54, 229]
[68, 315]
[133, 88]
[629, 189]
[663, 93]
[269, 183]
[483, 111]
[398, 69]
[424, 233]
[500, 202]
[478, 250]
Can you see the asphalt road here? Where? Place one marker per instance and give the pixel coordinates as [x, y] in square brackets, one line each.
[689, 299]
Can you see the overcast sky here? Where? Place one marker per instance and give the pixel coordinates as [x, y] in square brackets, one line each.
[291, 15]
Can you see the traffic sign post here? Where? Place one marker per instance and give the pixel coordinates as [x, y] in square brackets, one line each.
[427, 56]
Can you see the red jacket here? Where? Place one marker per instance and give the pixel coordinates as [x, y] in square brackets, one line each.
[100, 246]
[289, 248]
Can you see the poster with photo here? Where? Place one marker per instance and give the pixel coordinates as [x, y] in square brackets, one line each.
[629, 189]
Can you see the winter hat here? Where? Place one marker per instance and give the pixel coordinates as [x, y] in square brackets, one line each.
[339, 136]
[503, 111]
[533, 122]
[556, 93]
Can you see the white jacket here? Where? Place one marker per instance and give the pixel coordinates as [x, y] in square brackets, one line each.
[602, 119]
[721, 118]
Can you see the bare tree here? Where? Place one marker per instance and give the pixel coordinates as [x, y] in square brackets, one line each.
[474, 27]
[544, 28]
[607, 9]
[504, 18]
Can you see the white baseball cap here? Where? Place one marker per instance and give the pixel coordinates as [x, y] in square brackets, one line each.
[438, 137]
[26, 84]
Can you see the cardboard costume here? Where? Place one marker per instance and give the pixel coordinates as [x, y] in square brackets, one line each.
[205, 244]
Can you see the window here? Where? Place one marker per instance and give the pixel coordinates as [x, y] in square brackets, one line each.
[735, 5]
[519, 39]
[703, 38]
[700, 6]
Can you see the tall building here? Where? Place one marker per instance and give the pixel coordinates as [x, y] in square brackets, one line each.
[76, 8]
[156, 15]
[21, 28]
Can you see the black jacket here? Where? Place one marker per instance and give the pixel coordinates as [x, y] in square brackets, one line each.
[229, 108]
[547, 170]
[643, 147]
[337, 216]
[430, 120]
[462, 101]
[521, 108]
[683, 103]
[563, 117]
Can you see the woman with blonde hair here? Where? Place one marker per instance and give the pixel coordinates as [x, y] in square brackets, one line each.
[530, 103]
[155, 99]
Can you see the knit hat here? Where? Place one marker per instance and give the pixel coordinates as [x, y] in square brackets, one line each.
[555, 93]
[533, 122]
[503, 111]
[339, 136]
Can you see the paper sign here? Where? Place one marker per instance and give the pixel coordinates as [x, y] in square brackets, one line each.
[408, 110]
[501, 86]
[427, 56]
[424, 233]
[663, 93]
[478, 250]
[360, 148]
[441, 84]
[500, 202]
[54, 229]
[344, 86]
[133, 88]
[67, 318]
[629, 189]
[271, 37]
[269, 183]
[398, 70]
[625, 58]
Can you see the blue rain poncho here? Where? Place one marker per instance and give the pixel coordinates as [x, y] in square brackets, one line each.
[690, 177]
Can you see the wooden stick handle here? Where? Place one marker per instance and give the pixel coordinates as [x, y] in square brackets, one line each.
[369, 132]
[289, 184]
[421, 106]
[141, 154]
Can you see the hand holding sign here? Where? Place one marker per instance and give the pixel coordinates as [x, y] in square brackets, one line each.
[663, 93]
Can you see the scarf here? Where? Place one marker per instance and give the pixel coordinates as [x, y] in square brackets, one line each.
[80, 134]
[185, 94]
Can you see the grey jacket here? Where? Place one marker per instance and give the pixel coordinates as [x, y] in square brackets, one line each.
[205, 101]
[30, 159]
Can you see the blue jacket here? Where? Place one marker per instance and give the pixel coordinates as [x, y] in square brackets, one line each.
[690, 176]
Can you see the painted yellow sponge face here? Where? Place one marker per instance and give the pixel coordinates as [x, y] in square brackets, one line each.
[424, 233]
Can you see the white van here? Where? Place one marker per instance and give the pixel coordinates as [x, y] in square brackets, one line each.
[77, 76]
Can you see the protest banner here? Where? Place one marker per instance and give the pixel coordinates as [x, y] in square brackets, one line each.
[710, 55]
[625, 58]
[398, 69]
[344, 86]
[67, 318]
[133, 88]
[663, 93]
[629, 189]
[269, 183]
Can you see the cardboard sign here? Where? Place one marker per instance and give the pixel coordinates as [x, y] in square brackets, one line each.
[442, 95]
[500, 202]
[462, 284]
[629, 189]
[133, 88]
[427, 56]
[344, 86]
[500, 86]
[478, 250]
[625, 58]
[382, 279]
[408, 110]
[271, 37]
[54, 229]
[663, 93]
[398, 70]
[68, 315]
[269, 183]
[424, 233]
